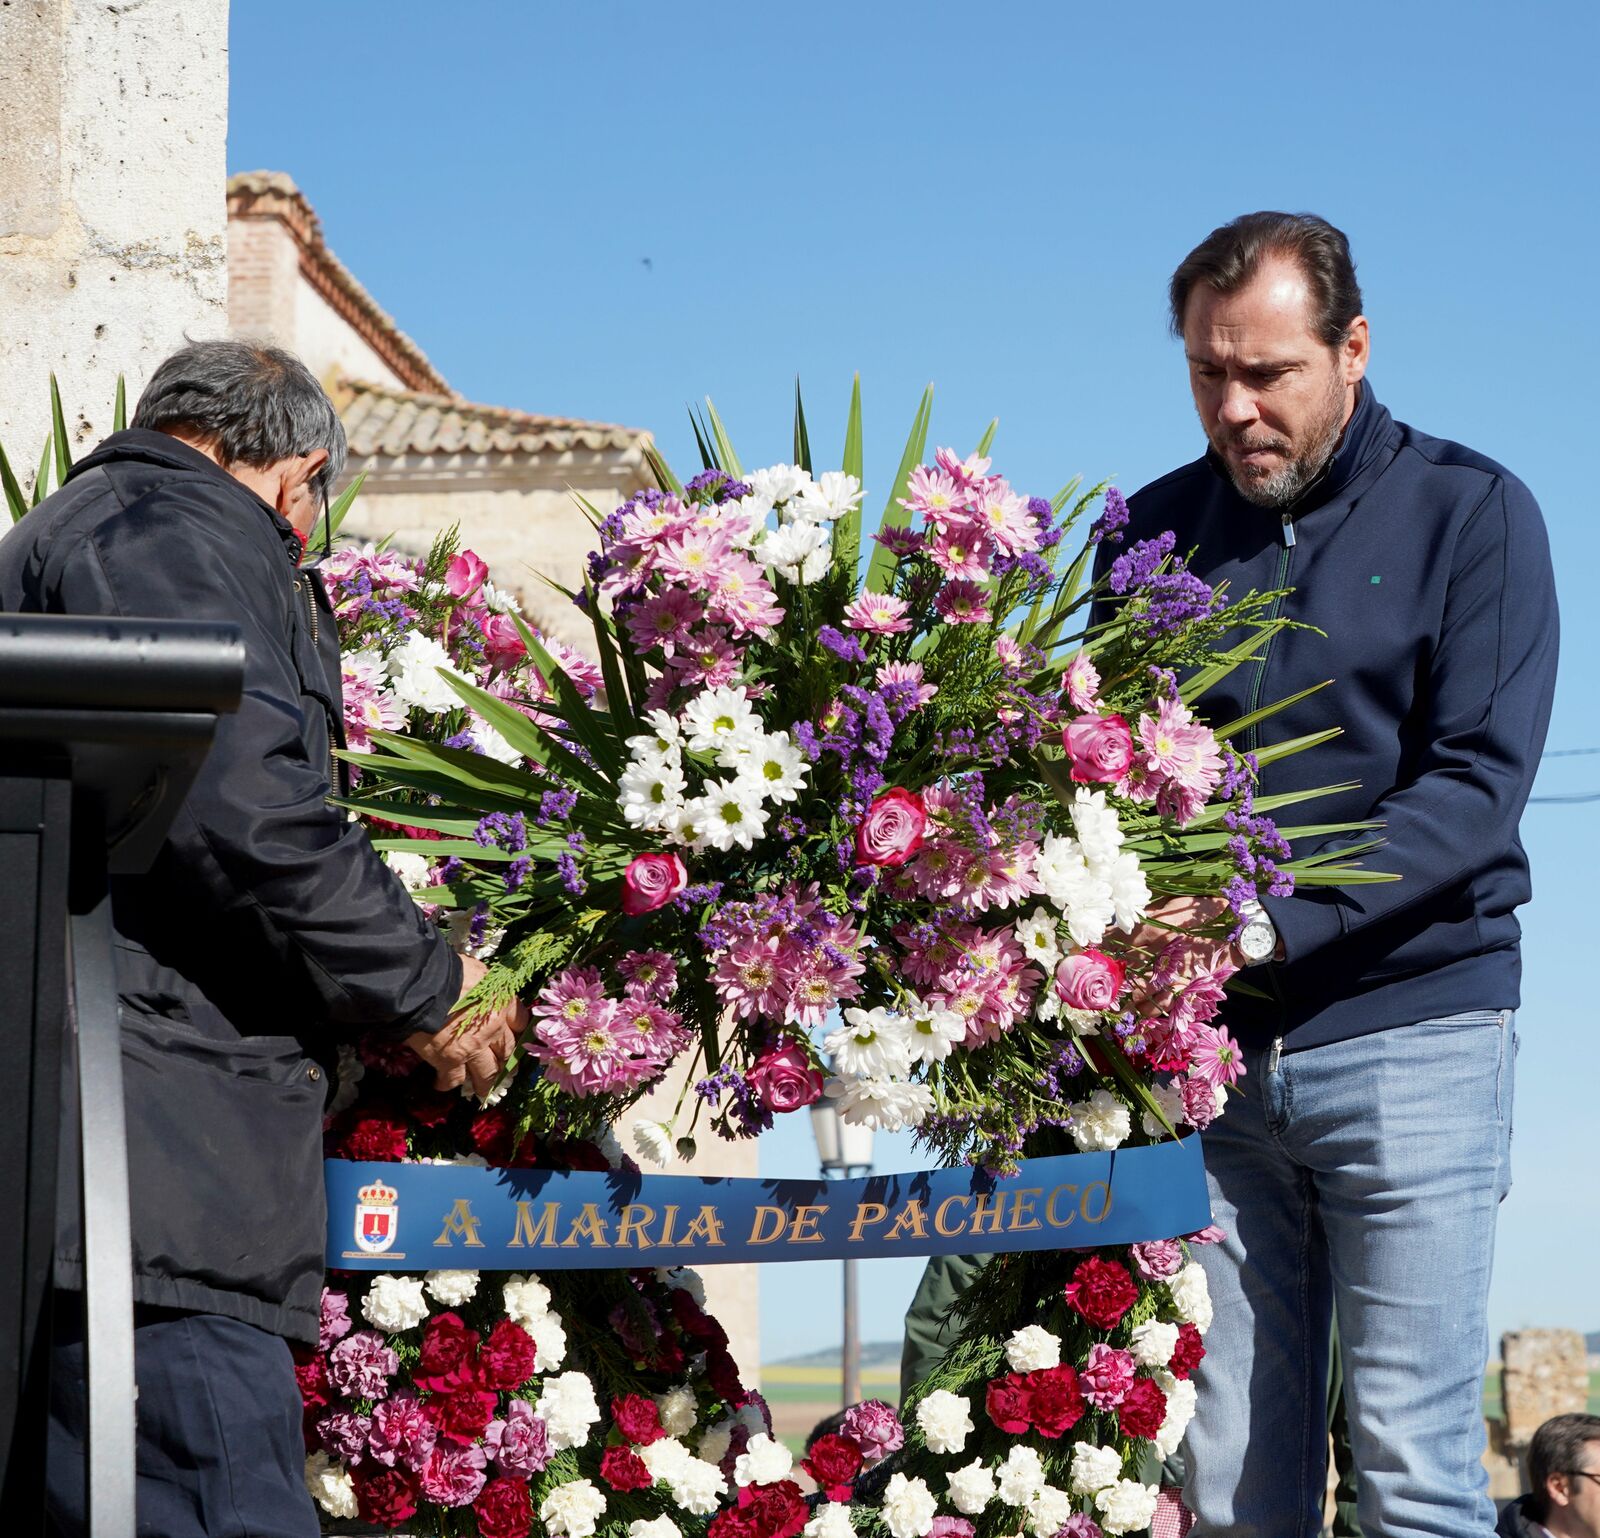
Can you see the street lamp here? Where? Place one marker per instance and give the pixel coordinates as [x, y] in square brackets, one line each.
[844, 1149]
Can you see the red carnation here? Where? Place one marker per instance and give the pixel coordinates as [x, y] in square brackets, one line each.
[504, 1509]
[1142, 1410]
[508, 1357]
[833, 1462]
[779, 1511]
[723, 1372]
[376, 1135]
[623, 1469]
[1187, 1353]
[492, 1131]
[1008, 1402]
[449, 1354]
[386, 1498]
[432, 1110]
[1102, 1291]
[1054, 1400]
[311, 1374]
[463, 1416]
[733, 1522]
[638, 1419]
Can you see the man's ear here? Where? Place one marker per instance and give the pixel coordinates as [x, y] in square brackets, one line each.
[1356, 350]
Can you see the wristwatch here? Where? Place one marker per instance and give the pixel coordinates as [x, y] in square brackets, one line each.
[1259, 937]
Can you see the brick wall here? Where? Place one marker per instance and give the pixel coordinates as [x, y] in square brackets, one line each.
[263, 271]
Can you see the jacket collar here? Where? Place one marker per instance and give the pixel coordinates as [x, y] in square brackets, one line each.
[140, 445]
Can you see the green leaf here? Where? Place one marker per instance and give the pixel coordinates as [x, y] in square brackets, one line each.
[1243, 723]
[708, 455]
[588, 725]
[1287, 749]
[58, 428]
[15, 501]
[1131, 1081]
[726, 457]
[1065, 495]
[41, 481]
[802, 442]
[662, 471]
[1216, 812]
[119, 409]
[895, 516]
[527, 737]
[464, 766]
[1213, 673]
[452, 790]
[1341, 875]
[987, 440]
[847, 531]
[342, 503]
[406, 814]
[605, 644]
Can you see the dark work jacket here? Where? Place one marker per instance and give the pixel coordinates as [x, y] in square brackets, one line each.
[268, 929]
[1428, 569]
[1517, 1521]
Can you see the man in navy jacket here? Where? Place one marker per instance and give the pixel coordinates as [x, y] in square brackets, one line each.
[1364, 1164]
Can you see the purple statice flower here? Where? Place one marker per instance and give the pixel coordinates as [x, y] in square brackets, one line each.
[845, 647]
[1136, 565]
[571, 877]
[502, 830]
[706, 480]
[746, 1116]
[519, 1444]
[516, 873]
[463, 740]
[446, 871]
[1177, 598]
[1110, 524]
[478, 926]
[343, 1435]
[805, 736]
[555, 805]
[402, 1435]
[361, 1365]
[697, 893]
[1033, 565]
[335, 1323]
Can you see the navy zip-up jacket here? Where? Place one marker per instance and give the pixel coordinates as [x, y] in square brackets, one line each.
[1428, 569]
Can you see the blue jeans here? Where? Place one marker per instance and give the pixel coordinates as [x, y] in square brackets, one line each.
[1364, 1175]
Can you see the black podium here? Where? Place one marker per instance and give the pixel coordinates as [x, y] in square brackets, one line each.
[103, 724]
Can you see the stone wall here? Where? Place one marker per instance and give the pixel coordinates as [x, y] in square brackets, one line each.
[113, 246]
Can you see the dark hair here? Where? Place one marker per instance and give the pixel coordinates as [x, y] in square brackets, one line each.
[1557, 1448]
[254, 404]
[1229, 256]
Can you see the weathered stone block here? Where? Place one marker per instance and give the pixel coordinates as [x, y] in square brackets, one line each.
[1544, 1373]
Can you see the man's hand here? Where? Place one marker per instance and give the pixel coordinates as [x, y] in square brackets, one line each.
[474, 1043]
[1173, 915]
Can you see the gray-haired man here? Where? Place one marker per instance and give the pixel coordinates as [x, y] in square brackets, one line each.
[267, 931]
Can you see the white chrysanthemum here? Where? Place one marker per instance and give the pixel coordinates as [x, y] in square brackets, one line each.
[666, 1457]
[1153, 1342]
[779, 483]
[568, 1408]
[684, 1279]
[414, 674]
[971, 1488]
[526, 1298]
[908, 1507]
[395, 1303]
[653, 1142]
[698, 1487]
[679, 1411]
[412, 869]
[1047, 1006]
[651, 794]
[657, 1527]
[1130, 892]
[1095, 823]
[763, 1462]
[1060, 868]
[885, 1105]
[491, 744]
[452, 1288]
[1089, 913]
[1032, 1348]
[798, 552]
[330, 1485]
[835, 495]
[933, 1032]
[946, 1421]
[497, 600]
[776, 767]
[572, 1510]
[1048, 1512]
[1037, 936]
[1170, 1098]
[367, 663]
[1021, 1476]
[831, 1521]
[1191, 1296]
[663, 743]
[1100, 1123]
[721, 720]
[730, 812]
[1180, 1394]
[1127, 1506]
[1093, 1468]
[872, 1043]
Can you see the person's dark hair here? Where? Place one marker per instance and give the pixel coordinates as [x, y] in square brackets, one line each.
[1230, 255]
[251, 403]
[1557, 1448]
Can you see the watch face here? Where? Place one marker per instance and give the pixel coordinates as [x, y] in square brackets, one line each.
[1257, 941]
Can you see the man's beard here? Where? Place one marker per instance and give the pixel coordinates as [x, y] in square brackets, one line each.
[1285, 486]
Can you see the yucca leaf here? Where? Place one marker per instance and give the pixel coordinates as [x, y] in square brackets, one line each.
[986, 442]
[342, 503]
[662, 471]
[451, 789]
[527, 737]
[58, 429]
[702, 437]
[464, 765]
[406, 814]
[605, 645]
[1062, 497]
[1245, 722]
[894, 516]
[587, 724]
[41, 481]
[1342, 875]
[847, 531]
[1272, 803]
[1213, 673]
[1293, 745]
[443, 848]
[719, 435]
[802, 442]
[15, 501]
[119, 407]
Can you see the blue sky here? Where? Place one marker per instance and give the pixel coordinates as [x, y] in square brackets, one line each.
[611, 209]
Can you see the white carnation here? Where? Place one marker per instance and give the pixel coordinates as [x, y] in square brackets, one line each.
[971, 1488]
[1093, 1468]
[568, 1408]
[549, 1339]
[1170, 1098]
[491, 744]
[684, 1280]
[452, 1288]
[1100, 1123]
[831, 1521]
[665, 1458]
[885, 1105]
[572, 1510]
[1191, 1296]
[1127, 1506]
[395, 1303]
[1153, 1342]
[798, 552]
[1180, 1394]
[779, 483]
[658, 1527]
[679, 1411]
[414, 674]
[526, 1298]
[1021, 1476]
[1048, 1512]
[908, 1507]
[330, 1485]
[1095, 823]
[763, 1462]
[698, 1486]
[946, 1421]
[412, 869]
[1033, 1347]
[1130, 892]
[714, 1445]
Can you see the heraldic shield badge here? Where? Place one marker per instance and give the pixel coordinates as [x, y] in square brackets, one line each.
[377, 1218]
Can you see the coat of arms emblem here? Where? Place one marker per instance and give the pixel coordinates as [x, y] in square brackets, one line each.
[377, 1218]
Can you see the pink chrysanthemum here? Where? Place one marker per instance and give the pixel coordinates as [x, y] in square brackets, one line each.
[1005, 519]
[571, 997]
[878, 613]
[665, 620]
[1081, 683]
[934, 495]
[962, 603]
[963, 551]
[651, 973]
[964, 472]
[749, 978]
[742, 597]
[1216, 1058]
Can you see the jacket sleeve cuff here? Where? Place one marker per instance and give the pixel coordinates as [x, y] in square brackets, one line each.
[430, 1018]
[1305, 923]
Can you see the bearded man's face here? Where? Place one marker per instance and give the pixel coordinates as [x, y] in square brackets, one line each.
[1273, 398]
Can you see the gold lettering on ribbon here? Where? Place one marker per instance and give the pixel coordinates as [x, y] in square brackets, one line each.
[707, 1226]
[459, 1220]
[527, 1232]
[803, 1226]
[635, 1218]
[1050, 1208]
[1105, 1206]
[938, 1217]
[993, 1214]
[587, 1225]
[769, 1224]
[866, 1212]
[670, 1222]
[1022, 1208]
[912, 1220]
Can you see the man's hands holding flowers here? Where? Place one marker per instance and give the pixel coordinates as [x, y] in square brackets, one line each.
[475, 1042]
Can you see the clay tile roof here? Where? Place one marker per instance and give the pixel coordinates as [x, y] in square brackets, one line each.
[273, 195]
[384, 421]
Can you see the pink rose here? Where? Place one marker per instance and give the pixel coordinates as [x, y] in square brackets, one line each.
[651, 881]
[1101, 748]
[502, 642]
[891, 832]
[1090, 980]
[784, 1078]
[465, 574]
